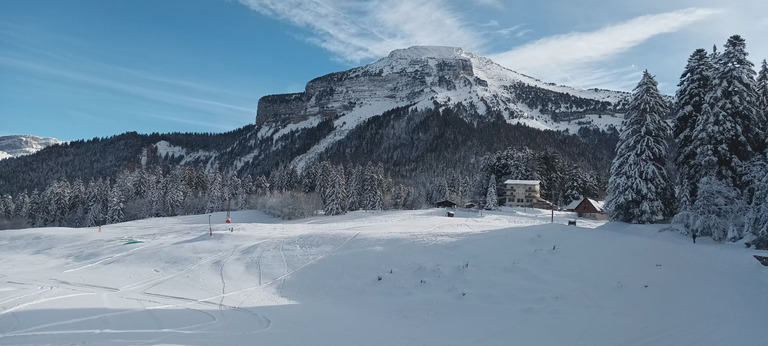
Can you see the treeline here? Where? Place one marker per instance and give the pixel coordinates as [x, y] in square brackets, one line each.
[143, 193]
[562, 106]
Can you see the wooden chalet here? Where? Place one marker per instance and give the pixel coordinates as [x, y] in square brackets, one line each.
[446, 204]
[591, 209]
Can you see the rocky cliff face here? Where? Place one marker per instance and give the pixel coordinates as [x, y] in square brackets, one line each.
[440, 78]
[427, 76]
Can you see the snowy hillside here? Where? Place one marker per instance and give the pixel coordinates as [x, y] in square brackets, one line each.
[387, 278]
[421, 77]
[13, 146]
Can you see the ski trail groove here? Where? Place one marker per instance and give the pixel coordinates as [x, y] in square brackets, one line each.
[253, 289]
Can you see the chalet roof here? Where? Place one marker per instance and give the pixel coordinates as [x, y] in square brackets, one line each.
[573, 204]
[522, 182]
[599, 205]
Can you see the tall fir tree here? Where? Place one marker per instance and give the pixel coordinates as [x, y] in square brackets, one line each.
[639, 186]
[6, 207]
[717, 211]
[373, 187]
[762, 94]
[334, 190]
[21, 207]
[491, 197]
[733, 96]
[115, 213]
[691, 95]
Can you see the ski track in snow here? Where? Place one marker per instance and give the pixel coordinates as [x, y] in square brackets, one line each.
[272, 282]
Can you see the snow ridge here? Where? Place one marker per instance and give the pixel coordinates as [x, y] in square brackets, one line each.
[19, 145]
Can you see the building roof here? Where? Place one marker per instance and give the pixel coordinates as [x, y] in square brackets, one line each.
[573, 204]
[522, 182]
[599, 205]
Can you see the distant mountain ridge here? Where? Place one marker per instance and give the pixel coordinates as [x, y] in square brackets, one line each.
[18, 145]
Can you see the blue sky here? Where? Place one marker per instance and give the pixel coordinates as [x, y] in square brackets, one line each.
[78, 69]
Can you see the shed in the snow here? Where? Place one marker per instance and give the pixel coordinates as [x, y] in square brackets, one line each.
[446, 204]
[591, 209]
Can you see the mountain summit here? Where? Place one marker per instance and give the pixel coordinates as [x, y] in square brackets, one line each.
[422, 77]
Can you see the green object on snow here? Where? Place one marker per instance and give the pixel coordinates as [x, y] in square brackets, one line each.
[133, 242]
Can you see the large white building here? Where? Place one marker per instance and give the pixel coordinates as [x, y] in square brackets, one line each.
[519, 193]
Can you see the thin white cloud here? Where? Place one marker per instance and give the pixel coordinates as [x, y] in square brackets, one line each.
[508, 31]
[358, 31]
[490, 3]
[575, 51]
[522, 33]
[189, 101]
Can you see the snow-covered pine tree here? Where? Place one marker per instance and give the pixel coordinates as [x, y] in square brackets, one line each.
[639, 184]
[733, 93]
[717, 210]
[323, 179]
[684, 206]
[491, 197]
[115, 213]
[354, 182]
[691, 95]
[715, 139]
[718, 205]
[215, 193]
[6, 207]
[174, 191]
[97, 197]
[372, 187]
[78, 204]
[58, 202]
[762, 93]
[757, 216]
[21, 208]
[334, 191]
[36, 215]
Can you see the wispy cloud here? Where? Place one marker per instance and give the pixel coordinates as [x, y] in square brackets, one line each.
[491, 23]
[490, 3]
[515, 30]
[155, 92]
[576, 51]
[358, 31]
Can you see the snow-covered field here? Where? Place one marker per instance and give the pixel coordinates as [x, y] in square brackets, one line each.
[386, 278]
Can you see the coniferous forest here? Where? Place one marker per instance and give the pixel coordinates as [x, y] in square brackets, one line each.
[719, 130]
[704, 166]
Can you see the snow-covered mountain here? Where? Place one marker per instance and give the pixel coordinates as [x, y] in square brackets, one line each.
[14, 146]
[424, 77]
[417, 111]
